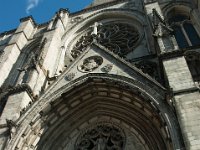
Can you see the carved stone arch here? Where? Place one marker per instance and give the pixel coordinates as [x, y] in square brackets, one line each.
[58, 119]
[103, 17]
[184, 21]
[134, 14]
[108, 13]
[178, 8]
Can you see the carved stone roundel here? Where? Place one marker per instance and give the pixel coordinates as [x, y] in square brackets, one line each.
[101, 137]
[120, 38]
[91, 63]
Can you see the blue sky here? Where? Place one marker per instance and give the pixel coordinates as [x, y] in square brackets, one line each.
[41, 10]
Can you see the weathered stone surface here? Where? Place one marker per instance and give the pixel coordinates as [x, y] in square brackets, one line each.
[188, 110]
[178, 74]
[15, 104]
[53, 99]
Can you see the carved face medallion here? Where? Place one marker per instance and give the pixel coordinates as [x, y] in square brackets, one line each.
[120, 38]
[91, 63]
[101, 137]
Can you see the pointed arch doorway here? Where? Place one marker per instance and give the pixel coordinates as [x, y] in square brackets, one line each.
[99, 111]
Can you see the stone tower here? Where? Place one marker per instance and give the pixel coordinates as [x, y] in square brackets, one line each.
[120, 74]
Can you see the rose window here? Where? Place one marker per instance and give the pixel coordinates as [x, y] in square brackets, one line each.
[101, 137]
[117, 37]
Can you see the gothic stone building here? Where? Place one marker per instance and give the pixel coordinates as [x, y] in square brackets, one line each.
[118, 75]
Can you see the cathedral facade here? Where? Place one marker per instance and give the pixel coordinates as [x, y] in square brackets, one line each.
[117, 75]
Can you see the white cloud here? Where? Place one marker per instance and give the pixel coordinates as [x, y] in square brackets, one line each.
[31, 4]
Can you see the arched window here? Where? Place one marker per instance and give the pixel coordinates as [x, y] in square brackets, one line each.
[184, 31]
[191, 33]
[180, 37]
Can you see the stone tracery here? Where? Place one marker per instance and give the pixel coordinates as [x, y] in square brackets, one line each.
[120, 38]
[101, 137]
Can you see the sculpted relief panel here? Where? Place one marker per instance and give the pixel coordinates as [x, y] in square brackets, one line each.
[91, 63]
[101, 137]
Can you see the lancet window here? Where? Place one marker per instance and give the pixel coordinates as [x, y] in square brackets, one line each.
[184, 31]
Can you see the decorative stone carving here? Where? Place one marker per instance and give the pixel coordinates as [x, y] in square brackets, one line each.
[107, 68]
[70, 76]
[95, 29]
[12, 127]
[120, 38]
[162, 30]
[90, 63]
[101, 137]
[82, 44]
[160, 27]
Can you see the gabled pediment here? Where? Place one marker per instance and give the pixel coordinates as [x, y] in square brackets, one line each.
[99, 60]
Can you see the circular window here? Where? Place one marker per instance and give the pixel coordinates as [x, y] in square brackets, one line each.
[120, 38]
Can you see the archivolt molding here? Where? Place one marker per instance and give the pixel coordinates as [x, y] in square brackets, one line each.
[117, 14]
[181, 8]
[33, 123]
[119, 37]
